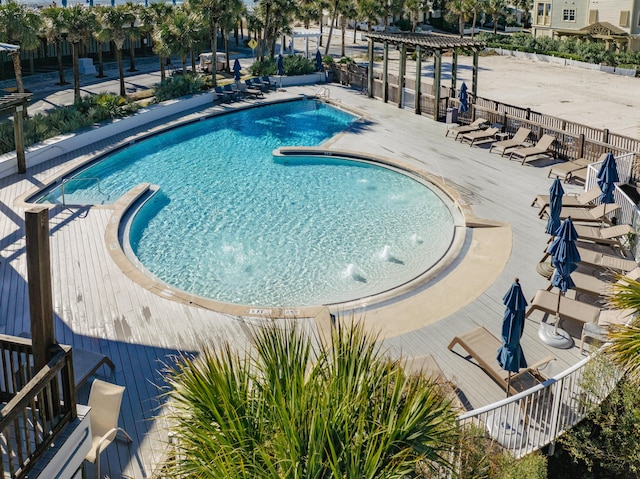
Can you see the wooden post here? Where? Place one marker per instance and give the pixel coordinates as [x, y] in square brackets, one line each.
[418, 78]
[19, 138]
[437, 71]
[605, 135]
[401, 71]
[370, 70]
[474, 78]
[385, 73]
[39, 277]
[454, 74]
[580, 151]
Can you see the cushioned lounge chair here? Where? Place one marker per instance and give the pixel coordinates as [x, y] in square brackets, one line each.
[518, 140]
[223, 95]
[547, 302]
[587, 283]
[609, 235]
[479, 136]
[566, 169]
[605, 261]
[596, 214]
[584, 200]
[483, 346]
[543, 147]
[462, 129]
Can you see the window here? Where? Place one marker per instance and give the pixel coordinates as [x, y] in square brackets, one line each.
[540, 9]
[624, 18]
[593, 16]
[548, 10]
[569, 15]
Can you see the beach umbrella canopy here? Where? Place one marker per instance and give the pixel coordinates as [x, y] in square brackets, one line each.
[7, 47]
[565, 258]
[463, 96]
[510, 355]
[555, 206]
[280, 65]
[236, 70]
[318, 61]
[607, 178]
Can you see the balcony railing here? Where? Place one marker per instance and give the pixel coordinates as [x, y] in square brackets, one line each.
[37, 404]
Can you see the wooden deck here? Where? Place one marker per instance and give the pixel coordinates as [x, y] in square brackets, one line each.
[99, 308]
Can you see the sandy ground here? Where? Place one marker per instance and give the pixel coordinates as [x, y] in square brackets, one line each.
[596, 99]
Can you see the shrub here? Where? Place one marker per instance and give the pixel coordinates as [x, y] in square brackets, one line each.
[264, 67]
[404, 24]
[328, 60]
[177, 86]
[298, 65]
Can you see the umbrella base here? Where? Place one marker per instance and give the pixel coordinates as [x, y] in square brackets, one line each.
[560, 339]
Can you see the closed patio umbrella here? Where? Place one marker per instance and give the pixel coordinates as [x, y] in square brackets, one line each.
[555, 206]
[565, 258]
[318, 61]
[280, 65]
[463, 96]
[607, 178]
[236, 70]
[510, 355]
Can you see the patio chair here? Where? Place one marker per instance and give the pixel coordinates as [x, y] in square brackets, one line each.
[596, 214]
[567, 169]
[267, 81]
[253, 89]
[609, 235]
[572, 309]
[462, 129]
[483, 346]
[104, 400]
[543, 147]
[583, 200]
[518, 139]
[480, 135]
[257, 83]
[233, 92]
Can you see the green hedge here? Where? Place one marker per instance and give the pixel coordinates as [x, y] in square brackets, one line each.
[90, 110]
[293, 65]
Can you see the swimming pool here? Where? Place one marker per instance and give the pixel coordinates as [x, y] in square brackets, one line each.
[232, 223]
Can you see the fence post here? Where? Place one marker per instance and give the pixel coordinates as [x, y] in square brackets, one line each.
[605, 135]
[580, 152]
[528, 115]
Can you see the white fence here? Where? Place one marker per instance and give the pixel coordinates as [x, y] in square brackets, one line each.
[536, 417]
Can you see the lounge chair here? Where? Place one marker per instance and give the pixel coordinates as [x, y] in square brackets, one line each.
[583, 200]
[267, 81]
[609, 235]
[480, 135]
[253, 89]
[256, 82]
[462, 129]
[225, 96]
[483, 347]
[543, 147]
[567, 169]
[587, 283]
[602, 260]
[232, 90]
[572, 309]
[596, 214]
[518, 139]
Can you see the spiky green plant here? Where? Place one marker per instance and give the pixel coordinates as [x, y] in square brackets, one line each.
[624, 347]
[292, 407]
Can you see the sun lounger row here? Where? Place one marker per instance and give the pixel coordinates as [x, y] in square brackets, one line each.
[574, 169]
[253, 88]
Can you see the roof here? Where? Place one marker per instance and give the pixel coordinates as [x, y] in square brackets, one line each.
[431, 41]
[13, 99]
[597, 30]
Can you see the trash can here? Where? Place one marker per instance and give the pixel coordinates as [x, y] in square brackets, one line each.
[329, 76]
[452, 115]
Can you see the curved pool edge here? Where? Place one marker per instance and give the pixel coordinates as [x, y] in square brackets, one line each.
[381, 303]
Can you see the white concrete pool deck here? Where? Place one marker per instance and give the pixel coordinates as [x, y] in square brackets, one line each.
[101, 308]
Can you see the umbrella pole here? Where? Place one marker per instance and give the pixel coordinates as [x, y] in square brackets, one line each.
[555, 326]
[508, 383]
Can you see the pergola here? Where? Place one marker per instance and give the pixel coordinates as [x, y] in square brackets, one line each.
[306, 34]
[601, 31]
[16, 102]
[435, 44]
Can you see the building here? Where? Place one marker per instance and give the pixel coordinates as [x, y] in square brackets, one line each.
[614, 22]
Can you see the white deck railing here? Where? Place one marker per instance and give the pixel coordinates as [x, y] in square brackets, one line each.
[535, 418]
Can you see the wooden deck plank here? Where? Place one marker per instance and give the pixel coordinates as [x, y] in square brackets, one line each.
[101, 309]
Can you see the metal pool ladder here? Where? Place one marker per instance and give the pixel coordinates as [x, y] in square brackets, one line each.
[67, 180]
[323, 92]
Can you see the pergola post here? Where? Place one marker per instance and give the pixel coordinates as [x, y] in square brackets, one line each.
[401, 72]
[416, 107]
[370, 69]
[454, 73]
[437, 71]
[474, 77]
[18, 135]
[39, 277]
[385, 73]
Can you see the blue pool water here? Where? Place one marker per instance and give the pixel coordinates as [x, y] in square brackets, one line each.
[235, 224]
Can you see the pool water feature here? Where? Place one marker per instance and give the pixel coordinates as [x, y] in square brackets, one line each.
[235, 224]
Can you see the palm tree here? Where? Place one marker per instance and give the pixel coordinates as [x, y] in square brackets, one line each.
[185, 30]
[54, 29]
[495, 8]
[228, 21]
[624, 348]
[80, 22]
[294, 408]
[463, 10]
[115, 21]
[19, 25]
[213, 11]
[154, 18]
[133, 33]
